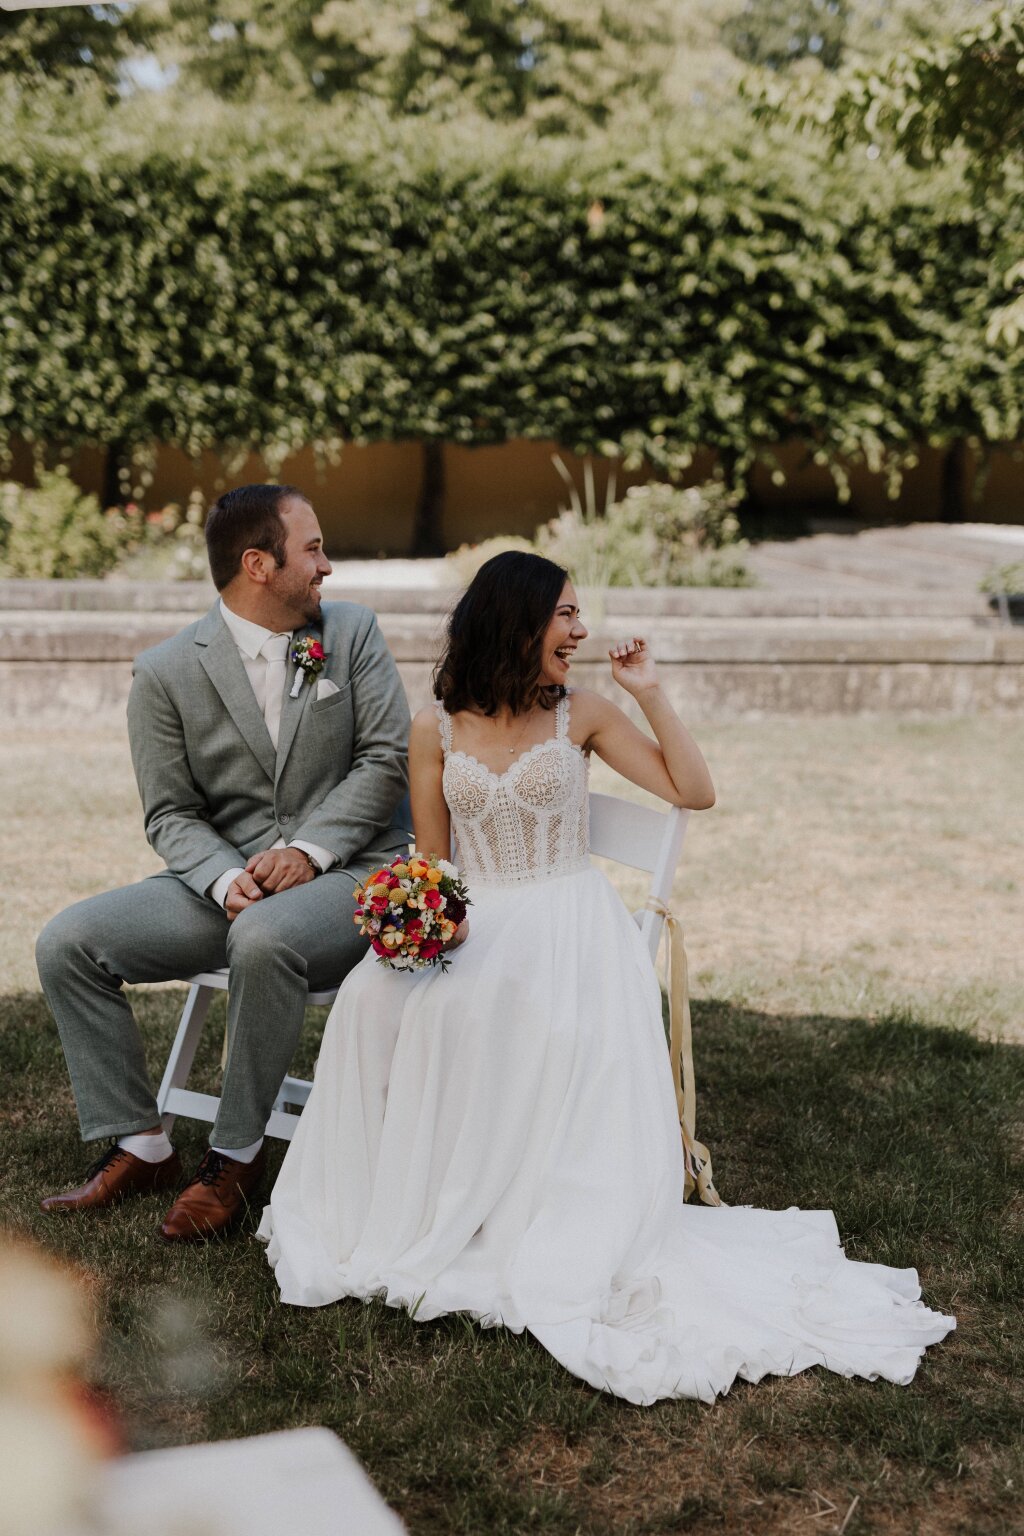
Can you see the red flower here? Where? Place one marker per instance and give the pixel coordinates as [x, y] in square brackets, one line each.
[431, 948]
[433, 898]
[316, 651]
[378, 948]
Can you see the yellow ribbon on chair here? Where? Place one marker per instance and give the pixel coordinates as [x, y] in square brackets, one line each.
[696, 1157]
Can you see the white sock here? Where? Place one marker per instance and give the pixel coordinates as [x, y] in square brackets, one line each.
[149, 1149]
[240, 1154]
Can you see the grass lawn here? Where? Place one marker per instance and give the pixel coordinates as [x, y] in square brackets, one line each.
[853, 923]
[912, 1134]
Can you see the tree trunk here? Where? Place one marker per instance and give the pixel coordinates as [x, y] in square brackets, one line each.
[753, 515]
[112, 474]
[953, 492]
[427, 538]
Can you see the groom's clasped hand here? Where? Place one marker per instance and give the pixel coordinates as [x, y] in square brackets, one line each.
[266, 873]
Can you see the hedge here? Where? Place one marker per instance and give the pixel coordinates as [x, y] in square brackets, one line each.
[734, 297]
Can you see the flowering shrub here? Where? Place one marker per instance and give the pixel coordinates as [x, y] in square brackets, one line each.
[657, 536]
[53, 530]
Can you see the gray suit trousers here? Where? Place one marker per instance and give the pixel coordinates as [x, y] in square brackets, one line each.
[299, 940]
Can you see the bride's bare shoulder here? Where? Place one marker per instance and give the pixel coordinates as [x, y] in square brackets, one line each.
[588, 711]
[587, 707]
[424, 734]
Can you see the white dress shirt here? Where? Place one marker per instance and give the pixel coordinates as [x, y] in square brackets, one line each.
[250, 638]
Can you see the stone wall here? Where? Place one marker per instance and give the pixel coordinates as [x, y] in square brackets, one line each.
[61, 668]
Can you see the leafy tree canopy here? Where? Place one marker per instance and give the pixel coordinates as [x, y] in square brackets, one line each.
[775, 33]
[75, 45]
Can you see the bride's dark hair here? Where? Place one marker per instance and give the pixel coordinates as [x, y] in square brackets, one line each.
[493, 651]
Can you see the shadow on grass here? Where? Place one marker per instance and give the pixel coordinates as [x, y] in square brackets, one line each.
[911, 1134]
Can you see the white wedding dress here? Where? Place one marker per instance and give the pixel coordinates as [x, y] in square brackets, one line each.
[502, 1139]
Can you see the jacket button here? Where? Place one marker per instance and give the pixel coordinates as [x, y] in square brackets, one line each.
[284, 820]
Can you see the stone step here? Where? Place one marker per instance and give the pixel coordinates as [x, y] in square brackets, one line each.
[804, 596]
[86, 638]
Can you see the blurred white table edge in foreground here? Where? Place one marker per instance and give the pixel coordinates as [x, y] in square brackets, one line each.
[302, 1480]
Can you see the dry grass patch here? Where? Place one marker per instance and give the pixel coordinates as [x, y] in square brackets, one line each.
[851, 866]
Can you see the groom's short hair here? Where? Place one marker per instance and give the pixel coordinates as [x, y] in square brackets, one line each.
[246, 518]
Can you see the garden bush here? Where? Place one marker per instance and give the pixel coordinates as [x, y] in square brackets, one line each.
[195, 287]
[658, 535]
[53, 530]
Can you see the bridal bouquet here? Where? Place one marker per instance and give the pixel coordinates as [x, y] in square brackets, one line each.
[410, 911]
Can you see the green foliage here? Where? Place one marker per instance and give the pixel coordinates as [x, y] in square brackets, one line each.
[963, 94]
[775, 33]
[959, 99]
[56, 531]
[968, 93]
[559, 63]
[657, 536]
[1005, 578]
[223, 286]
[75, 45]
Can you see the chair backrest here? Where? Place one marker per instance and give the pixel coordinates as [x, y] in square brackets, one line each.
[643, 839]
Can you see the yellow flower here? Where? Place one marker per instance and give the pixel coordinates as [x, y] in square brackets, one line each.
[401, 870]
[434, 876]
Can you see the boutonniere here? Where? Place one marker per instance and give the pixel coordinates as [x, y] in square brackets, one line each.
[309, 656]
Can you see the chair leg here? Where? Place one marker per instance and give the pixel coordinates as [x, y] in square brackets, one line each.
[186, 1041]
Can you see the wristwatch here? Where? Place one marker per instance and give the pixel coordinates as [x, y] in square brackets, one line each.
[314, 866]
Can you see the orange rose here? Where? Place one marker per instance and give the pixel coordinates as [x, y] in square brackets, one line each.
[434, 876]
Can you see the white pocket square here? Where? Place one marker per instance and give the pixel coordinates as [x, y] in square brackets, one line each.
[324, 688]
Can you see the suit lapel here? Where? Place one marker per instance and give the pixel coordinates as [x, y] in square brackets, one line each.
[292, 710]
[223, 665]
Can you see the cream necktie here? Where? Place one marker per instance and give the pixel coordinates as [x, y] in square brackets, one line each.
[275, 649]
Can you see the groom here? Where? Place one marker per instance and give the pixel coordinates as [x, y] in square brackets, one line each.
[269, 790]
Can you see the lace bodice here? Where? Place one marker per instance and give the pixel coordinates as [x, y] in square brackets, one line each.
[528, 823]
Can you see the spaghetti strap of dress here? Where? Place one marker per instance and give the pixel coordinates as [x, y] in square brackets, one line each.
[562, 709]
[444, 725]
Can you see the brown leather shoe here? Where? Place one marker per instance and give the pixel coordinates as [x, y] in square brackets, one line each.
[113, 1177]
[214, 1200]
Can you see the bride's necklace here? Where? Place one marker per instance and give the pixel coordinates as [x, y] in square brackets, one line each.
[522, 733]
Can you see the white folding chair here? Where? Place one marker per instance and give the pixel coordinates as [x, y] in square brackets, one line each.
[630, 834]
[643, 839]
[174, 1098]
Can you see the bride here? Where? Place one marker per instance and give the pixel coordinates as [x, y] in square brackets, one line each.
[503, 1139]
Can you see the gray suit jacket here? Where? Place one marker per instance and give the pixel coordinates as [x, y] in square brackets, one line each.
[214, 791]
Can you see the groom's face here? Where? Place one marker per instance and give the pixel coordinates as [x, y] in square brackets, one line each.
[296, 584]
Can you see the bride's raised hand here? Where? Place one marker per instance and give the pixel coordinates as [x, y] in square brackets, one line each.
[633, 666]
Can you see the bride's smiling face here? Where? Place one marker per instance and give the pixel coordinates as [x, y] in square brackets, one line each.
[563, 634]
